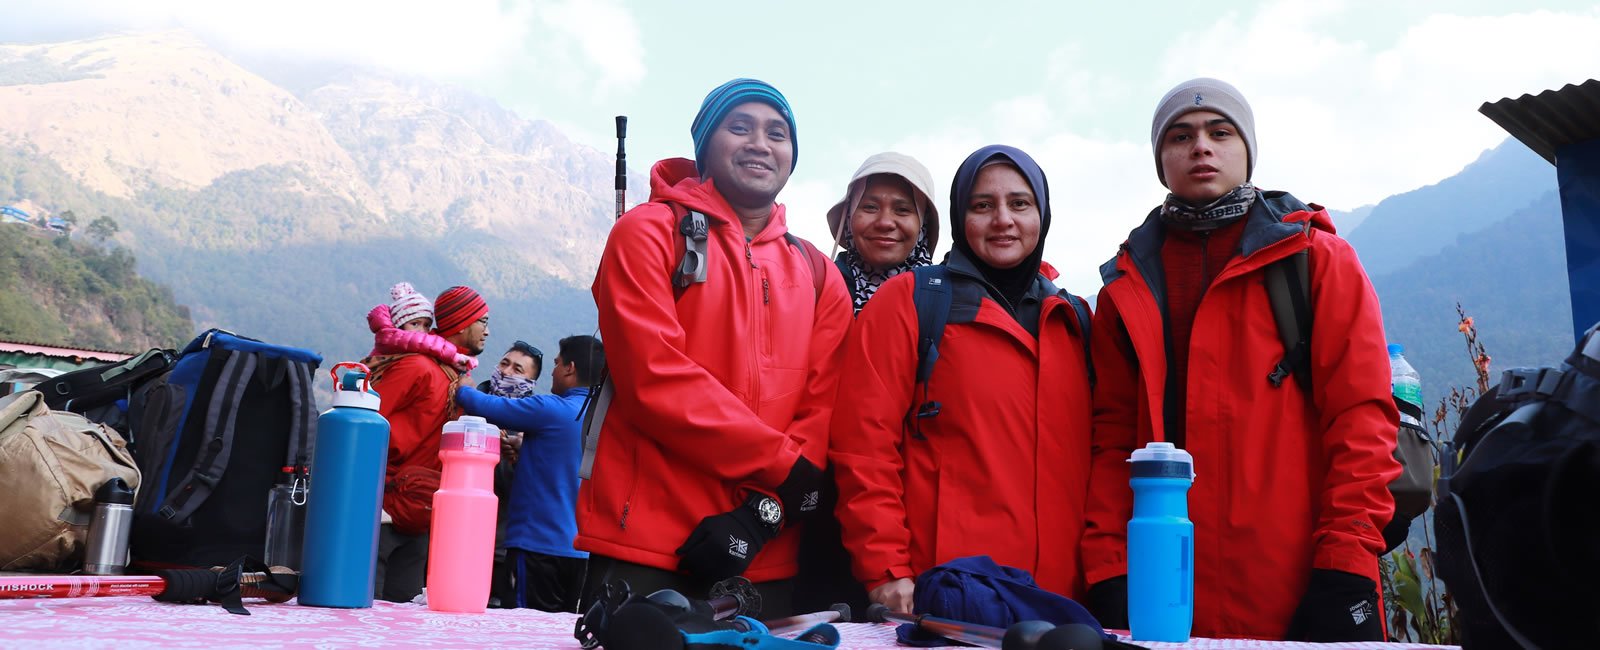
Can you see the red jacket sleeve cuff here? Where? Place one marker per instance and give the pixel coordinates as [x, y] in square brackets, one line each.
[894, 573]
[1346, 557]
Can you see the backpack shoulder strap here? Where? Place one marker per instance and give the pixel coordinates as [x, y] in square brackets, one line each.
[693, 231]
[1289, 291]
[847, 273]
[932, 296]
[1081, 308]
[819, 262]
[220, 425]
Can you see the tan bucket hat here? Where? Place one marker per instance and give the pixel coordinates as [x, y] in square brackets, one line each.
[898, 164]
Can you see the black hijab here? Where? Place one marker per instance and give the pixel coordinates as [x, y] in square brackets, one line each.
[1014, 282]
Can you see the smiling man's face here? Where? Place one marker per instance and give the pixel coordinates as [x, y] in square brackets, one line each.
[750, 155]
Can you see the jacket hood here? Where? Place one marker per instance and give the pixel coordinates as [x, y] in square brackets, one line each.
[898, 164]
[676, 180]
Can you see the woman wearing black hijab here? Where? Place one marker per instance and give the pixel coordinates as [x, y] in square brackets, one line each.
[990, 456]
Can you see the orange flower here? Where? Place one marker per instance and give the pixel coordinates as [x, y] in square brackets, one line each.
[1483, 363]
[1466, 324]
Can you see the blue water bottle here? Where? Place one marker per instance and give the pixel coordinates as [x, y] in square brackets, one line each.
[1161, 545]
[346, 497]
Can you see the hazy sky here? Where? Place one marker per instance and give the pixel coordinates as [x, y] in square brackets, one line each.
[1355, 100]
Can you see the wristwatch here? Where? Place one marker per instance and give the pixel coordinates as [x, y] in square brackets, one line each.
[768, 510]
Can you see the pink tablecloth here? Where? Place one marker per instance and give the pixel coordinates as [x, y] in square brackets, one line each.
[128, 623]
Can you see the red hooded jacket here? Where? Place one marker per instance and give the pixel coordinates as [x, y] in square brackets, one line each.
[1002, 470]
[718, 391]
[1285, 480]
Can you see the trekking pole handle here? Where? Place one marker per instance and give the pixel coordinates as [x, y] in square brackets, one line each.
[622, 165]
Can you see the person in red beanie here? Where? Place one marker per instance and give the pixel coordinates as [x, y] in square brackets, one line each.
[418, 398]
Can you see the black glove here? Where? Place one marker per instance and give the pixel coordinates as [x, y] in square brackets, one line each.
[722, 546]
[1108, 601]
[1338, 606]
[801, 491]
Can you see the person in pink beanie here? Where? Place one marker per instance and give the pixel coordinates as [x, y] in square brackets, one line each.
[405, 324]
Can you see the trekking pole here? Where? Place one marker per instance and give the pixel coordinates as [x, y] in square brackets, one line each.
[1021, 636]
[838, 613]
[179, 585]
[730, 598]
[622, 165]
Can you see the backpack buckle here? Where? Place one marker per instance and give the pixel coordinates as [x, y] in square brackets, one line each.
[1521, 383]
[1591, 344]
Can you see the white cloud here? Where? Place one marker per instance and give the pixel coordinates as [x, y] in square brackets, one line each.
[1339, 122]
[1346, 124]
[607, 36]
[591, 47]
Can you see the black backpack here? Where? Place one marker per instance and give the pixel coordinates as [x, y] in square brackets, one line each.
[941, 299]
[1517, 519]
[214, 433]
[102, 393]
[1289, 290]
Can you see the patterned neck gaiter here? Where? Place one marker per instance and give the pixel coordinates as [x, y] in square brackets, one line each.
[1227, 209]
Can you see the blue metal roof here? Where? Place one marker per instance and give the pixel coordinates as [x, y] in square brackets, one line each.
[1552, 119]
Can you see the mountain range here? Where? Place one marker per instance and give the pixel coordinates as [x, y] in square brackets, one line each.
[286, 215]
[280, 202]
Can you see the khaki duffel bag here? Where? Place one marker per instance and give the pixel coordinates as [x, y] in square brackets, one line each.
[51, 463]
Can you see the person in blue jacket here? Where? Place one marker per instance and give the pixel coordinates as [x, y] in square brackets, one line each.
[547, 572]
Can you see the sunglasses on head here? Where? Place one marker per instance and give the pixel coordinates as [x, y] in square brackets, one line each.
[538, 356]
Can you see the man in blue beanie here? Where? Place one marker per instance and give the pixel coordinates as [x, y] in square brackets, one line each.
[723, 333]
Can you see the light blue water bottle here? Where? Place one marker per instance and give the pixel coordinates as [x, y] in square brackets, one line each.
[339, 563]
[1161, 545]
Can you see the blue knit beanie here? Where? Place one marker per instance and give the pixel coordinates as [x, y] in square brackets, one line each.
[721, 100]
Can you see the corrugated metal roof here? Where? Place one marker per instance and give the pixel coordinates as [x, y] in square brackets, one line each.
[21, 347]
[1551, 119]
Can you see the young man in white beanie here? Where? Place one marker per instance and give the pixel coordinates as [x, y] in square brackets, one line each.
[1293, 449]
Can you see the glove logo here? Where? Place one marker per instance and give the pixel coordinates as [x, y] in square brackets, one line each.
[810, 500]
[1360, 612]
[738, 548]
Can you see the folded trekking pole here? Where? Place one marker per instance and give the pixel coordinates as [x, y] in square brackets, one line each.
[622, 165]
[224, 585]
[1026, 635]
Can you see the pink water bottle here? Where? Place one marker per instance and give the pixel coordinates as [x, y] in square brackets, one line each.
[461, 548]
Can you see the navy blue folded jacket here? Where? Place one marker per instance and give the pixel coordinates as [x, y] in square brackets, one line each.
[976, 590]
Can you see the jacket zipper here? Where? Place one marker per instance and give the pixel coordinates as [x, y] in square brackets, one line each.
[626, 506]
[758, 346]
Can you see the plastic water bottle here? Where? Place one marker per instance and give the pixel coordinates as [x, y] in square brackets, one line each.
[461, 544]
[339, 564]
[1405, 382]
[286, 520]
[1161, 545]
[107, 552]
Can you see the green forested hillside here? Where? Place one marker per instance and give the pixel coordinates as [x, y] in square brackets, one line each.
[256, 254]
[62, 292]
[1511, 277]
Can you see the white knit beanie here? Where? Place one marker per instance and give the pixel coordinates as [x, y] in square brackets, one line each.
[406, 304]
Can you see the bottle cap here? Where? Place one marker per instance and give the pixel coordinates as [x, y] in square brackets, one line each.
[116, 491]
[472, 434]
[352, 389]
[1395, 349]
[1162, 460]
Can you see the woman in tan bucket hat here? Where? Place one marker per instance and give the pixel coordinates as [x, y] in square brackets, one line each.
[892, 224]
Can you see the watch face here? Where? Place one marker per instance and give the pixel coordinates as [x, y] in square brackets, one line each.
[771, 513]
